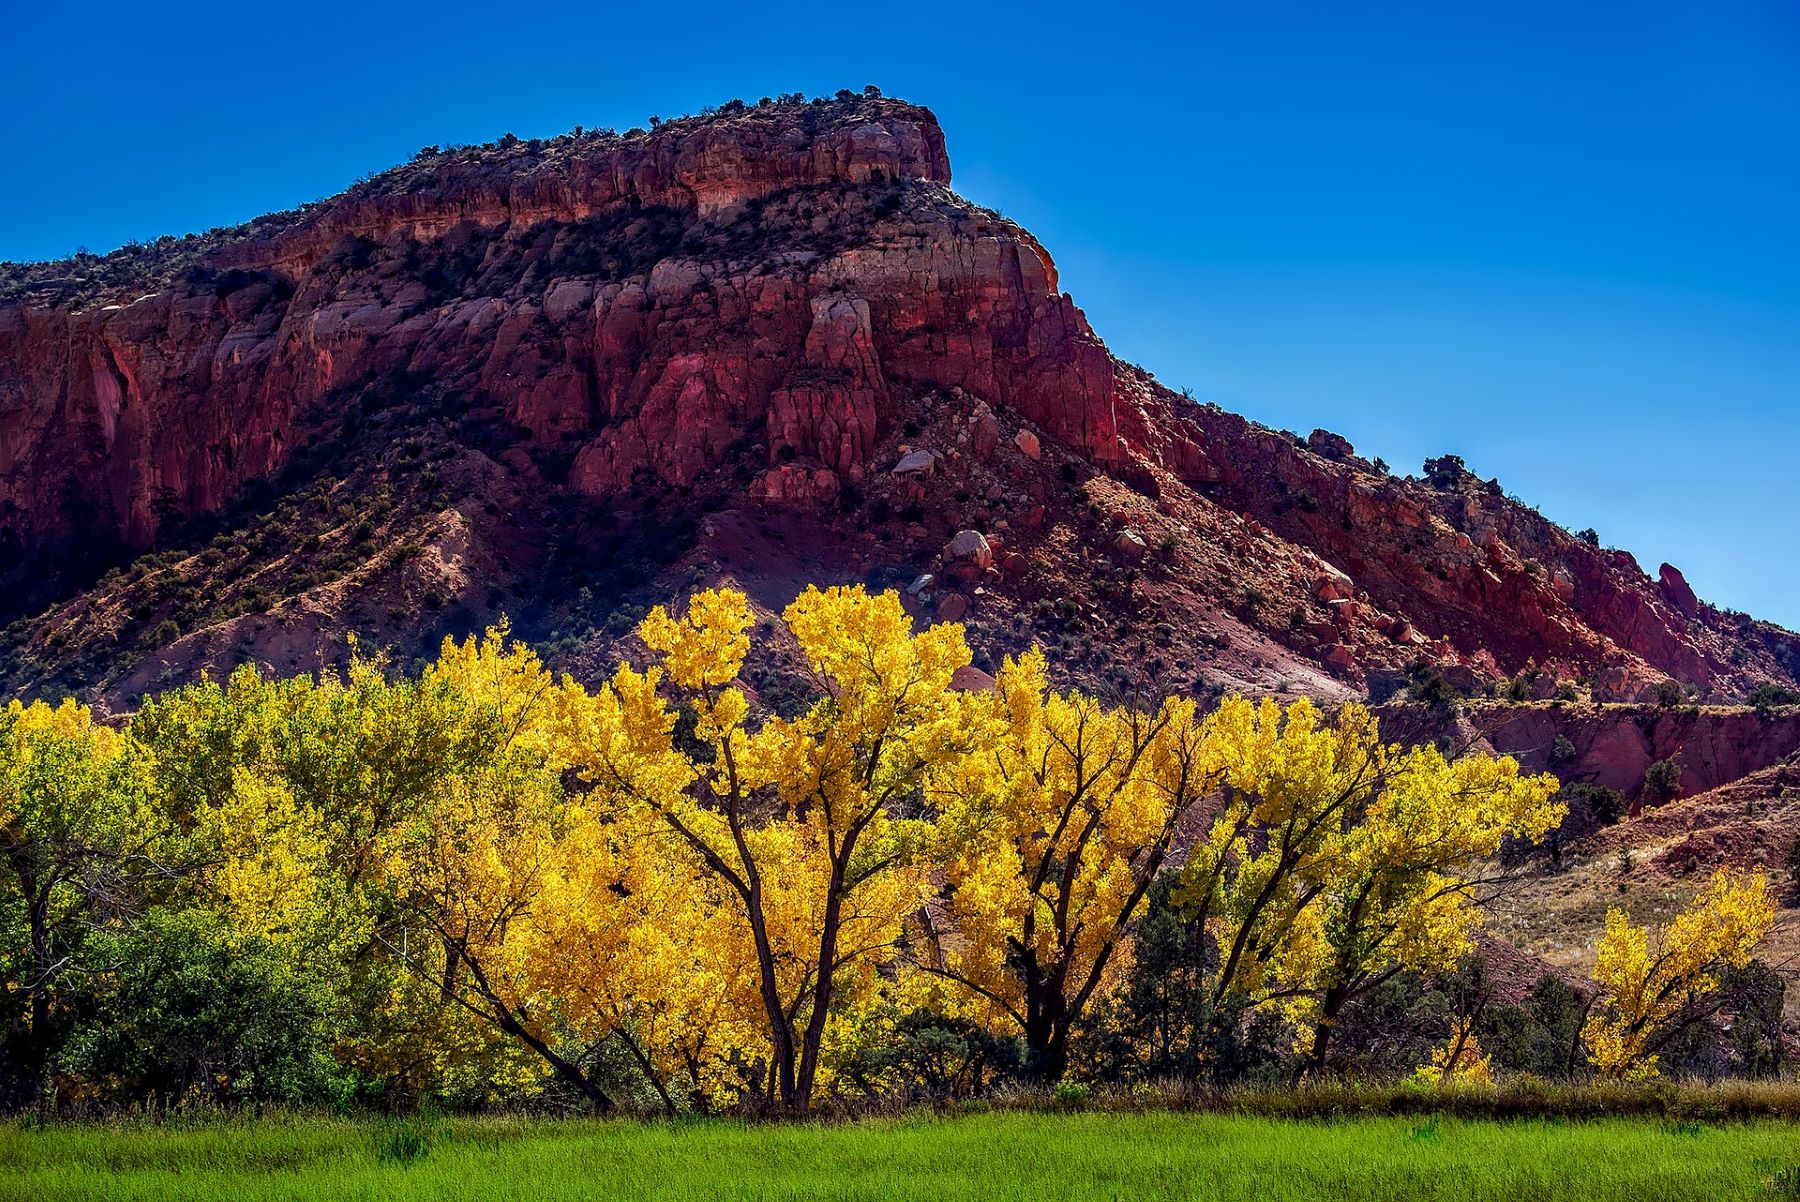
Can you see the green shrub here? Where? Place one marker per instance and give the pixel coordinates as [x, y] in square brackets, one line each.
[1770, 697]
[1662, 781]
[190, 1014]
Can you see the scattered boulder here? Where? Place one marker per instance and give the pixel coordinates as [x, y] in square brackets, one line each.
[970, 679]
[1402, 631]
[919, 462]
[983, 431]
[1330, 446]
[1332, 584]
[969, 546]
[952, 607]
[1027, 442]
[1129, 545]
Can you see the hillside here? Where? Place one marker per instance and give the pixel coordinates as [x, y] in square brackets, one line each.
[564, 379]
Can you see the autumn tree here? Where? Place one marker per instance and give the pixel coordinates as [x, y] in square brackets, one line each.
[1052, 831]
[471, 861]
[1338, 861]
[1653, 986]
[549, 917]
[630, 944]
[1460, 1061]
[812, 826]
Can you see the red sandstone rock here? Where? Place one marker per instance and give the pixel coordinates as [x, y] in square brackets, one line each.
[1675, 588]
[637, 314]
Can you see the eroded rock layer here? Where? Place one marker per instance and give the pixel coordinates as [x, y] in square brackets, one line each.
[780, 314]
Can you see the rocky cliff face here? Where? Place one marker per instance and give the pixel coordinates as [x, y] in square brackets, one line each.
[1615, 745]
[769, 343]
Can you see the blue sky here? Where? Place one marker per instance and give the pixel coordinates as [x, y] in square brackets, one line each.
[1561, 240]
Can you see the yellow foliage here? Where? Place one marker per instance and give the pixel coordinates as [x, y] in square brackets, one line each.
[1460, 1061]
[1051, 831]
[728, 899]
[810, 828]
[1650, 984]
[74, 817]
[1336, 858]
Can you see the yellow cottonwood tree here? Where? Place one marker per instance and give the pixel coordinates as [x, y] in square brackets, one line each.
[812, 826]
[1339, 860]
[1292, 785]
[470, 868]
[1460, 1061]
[631, 943]
[1053, 830]
[1653, 986]
[541, 917]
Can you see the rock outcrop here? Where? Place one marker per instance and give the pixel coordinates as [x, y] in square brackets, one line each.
[778, 309]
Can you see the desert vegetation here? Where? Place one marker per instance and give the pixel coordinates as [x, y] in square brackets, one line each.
[475, 885]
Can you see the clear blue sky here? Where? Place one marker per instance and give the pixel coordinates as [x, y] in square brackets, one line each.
[1559, 239]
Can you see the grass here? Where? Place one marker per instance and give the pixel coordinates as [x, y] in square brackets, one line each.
[993, 1157]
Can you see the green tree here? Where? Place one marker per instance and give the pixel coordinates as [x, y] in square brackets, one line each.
[76, 836]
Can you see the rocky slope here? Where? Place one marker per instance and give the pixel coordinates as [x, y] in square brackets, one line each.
[566, 378]
[1651, 866]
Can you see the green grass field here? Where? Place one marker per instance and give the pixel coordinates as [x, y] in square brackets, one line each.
[989, 1158]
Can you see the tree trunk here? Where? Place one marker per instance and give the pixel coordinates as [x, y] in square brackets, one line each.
[36, 1060]
[649, 1070]
[821, 1009]
[1328, 1012]
[1046, 1031]
[781, 1034]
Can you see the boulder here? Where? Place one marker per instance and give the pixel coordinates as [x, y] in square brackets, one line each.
[1027, 442]
[918, 462]
[969, 547]
[1331, 584]
[983, 431]
[1329, 445]
[1129, 545]
[970, 679]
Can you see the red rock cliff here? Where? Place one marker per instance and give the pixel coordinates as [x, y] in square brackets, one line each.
[770, 291]
[635, 296]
